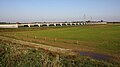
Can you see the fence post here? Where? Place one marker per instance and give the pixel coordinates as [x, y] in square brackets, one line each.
[35, 37]
[55, 39]
[77, 42]
[45, 38]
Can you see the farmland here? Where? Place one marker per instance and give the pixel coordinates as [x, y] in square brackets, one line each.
[94, 39]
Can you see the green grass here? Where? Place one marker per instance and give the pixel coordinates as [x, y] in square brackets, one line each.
[15, 55]
[103, 39]
[96, 38]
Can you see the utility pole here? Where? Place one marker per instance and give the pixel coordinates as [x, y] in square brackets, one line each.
[84, 18]
[91, 19]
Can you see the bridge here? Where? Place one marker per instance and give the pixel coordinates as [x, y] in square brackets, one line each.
[41, 24]
[47, 24]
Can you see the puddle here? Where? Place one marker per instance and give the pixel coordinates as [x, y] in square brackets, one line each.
[96, 55]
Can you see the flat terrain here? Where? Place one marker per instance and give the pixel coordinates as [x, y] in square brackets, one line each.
[92, 39]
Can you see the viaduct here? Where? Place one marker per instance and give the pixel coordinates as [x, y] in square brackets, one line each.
[42, 24]
[47, 24]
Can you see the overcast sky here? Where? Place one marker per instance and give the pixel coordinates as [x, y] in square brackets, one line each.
[59, 10]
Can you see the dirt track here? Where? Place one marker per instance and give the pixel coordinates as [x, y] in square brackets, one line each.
[39, 46]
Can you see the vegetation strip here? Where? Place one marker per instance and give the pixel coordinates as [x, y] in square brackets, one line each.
[39, 46]
[17, 55]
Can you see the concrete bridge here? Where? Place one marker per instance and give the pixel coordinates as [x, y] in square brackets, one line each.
[48, 24]
[8, 25]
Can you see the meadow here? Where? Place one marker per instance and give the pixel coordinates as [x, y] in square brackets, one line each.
[99, 39]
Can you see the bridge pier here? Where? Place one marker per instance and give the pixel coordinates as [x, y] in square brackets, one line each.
[81, 23]
[66, 24]
[29, 25]
[75, 24]
[71, 24]
[78, 23]
[54, 24]
[60, 24]
[47, 25]
[39, 25]
[16, 25]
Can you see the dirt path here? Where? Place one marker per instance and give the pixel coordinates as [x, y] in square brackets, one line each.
[39, 46]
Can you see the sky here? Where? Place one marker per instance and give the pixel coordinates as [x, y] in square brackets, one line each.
[59, 10]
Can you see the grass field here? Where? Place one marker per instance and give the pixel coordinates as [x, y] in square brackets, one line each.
[102, 39]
